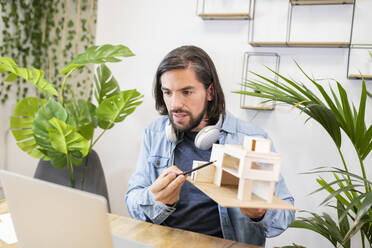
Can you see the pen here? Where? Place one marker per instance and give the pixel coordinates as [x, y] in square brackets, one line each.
[197, 168]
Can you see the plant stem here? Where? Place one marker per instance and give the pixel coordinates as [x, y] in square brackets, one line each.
[362, 238]
[364, 175]
[99, 137]
[86, 164]
[84, 171]
[344, 163]
[63, 85]
[71, 171]
[368, 189]
[111, 124]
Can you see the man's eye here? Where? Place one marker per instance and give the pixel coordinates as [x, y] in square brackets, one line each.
[187, 92]
[166, 93]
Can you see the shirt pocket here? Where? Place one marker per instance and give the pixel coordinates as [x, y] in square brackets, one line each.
[158, 163]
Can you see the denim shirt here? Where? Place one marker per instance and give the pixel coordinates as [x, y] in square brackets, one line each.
[157, 153]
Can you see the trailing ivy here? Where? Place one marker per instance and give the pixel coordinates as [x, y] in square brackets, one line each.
[46, 34]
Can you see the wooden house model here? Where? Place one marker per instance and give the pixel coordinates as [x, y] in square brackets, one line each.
[242, 176]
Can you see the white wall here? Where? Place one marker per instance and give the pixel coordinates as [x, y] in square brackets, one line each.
[151, 29]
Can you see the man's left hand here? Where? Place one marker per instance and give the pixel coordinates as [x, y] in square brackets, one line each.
[253, 213]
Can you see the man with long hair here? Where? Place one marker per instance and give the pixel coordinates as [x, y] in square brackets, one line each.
[189, 96]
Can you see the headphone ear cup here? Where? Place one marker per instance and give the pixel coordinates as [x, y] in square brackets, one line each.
[207, 137]
[170, 134]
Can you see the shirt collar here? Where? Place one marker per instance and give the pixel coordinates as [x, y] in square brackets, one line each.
[229, 123]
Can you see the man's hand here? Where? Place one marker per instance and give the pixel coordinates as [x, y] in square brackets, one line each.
[167, 186]
[253, 213]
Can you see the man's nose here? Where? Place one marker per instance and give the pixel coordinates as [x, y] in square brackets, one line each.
[177, 101]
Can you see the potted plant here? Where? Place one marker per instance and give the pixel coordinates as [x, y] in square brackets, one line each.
[350, 194]
[59, 130]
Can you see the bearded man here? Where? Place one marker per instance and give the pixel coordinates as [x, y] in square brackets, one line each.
[189, 96]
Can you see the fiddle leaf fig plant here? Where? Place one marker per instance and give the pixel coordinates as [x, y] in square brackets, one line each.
[63, 131]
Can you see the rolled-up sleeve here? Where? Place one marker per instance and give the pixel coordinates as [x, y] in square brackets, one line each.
[277, 221]
[139, 199]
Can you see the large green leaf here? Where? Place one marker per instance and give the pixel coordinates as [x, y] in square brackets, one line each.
[40, 128]
[105, 84]
[21, 125]
[65, 139]
[83, 114]
[118, 107]
[98, 55]
[41, 123]
[34, 76]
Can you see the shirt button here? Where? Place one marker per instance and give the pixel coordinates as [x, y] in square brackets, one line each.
[158, 163]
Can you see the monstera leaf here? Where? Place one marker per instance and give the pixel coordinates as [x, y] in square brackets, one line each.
[105, 84]
[41, 123]
[34, 76]
[117, 108]
[21, 125]
[83, 114]
[65, 139]
[40, 128]
[98, 55]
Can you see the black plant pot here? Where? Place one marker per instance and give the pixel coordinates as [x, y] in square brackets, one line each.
[94, 176]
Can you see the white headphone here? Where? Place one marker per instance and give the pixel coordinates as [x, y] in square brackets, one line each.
[205, 137]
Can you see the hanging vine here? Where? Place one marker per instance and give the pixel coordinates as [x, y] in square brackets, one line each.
[45, 35]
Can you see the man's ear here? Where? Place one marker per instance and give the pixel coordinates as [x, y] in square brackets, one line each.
[210, 92]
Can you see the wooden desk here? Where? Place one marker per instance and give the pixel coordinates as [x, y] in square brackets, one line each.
[155, 235]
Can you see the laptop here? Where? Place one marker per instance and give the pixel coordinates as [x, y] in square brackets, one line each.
[49, 215]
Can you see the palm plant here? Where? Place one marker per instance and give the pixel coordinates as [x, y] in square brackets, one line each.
[63, 131]
[352, 192]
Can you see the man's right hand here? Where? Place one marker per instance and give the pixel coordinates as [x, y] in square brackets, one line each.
[166, 188]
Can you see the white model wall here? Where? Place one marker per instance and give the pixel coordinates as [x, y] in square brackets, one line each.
[153, 28]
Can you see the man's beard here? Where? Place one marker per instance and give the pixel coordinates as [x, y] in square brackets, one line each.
[193, 123]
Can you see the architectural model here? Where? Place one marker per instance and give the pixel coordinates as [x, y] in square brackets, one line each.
[242, 176]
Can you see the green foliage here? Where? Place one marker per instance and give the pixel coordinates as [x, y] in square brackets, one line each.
[334, 112]
[34, 76]
[45, 35]
[64, 138]
[325, 226]
[117, 108]
[83, 114]
[105, 84]
[64, 133]
[98, 55]
[21, 125]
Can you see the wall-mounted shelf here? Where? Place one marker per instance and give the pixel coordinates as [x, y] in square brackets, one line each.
[358, 76]
[225, 16]
[298, 44]
[257, 107]
[258, 62]
[321, 2]
[288, 42]
[225, 10]
[364, 67]
[353, 73]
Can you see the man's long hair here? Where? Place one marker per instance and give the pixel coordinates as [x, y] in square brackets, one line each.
[196, 58]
